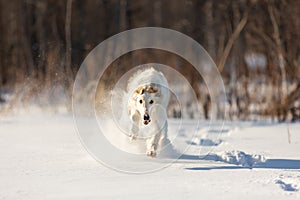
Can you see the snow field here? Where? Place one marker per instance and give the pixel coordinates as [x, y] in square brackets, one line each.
[41, 157]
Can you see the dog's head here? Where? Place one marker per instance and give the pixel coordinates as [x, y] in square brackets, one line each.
[145, 97]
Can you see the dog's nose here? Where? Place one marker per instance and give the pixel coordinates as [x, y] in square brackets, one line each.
[146, 117]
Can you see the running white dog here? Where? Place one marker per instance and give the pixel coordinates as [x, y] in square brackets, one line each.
[148, 100]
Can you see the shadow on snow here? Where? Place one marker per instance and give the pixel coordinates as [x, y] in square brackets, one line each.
[268, 164]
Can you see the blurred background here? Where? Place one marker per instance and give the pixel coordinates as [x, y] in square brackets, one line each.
[254, 43]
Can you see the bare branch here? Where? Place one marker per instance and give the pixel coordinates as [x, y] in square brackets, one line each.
[231, 40]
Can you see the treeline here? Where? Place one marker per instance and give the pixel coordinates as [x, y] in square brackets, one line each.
[255, 44]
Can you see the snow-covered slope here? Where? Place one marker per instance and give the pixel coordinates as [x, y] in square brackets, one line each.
[42, 158]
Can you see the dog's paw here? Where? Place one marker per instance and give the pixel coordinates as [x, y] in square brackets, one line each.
[132, 137]
[151, 153]
[151, 150]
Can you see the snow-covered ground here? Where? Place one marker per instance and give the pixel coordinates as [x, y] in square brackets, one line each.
[42, 158]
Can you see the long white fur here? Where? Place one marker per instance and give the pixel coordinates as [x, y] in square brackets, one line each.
[154, 130]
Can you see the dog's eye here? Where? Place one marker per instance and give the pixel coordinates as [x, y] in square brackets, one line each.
[151, 101]
[141, 101]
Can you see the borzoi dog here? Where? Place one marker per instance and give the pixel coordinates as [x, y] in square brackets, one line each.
[148, 100]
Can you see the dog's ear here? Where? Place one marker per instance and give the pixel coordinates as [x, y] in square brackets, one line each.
[151, 89]
[140, 90]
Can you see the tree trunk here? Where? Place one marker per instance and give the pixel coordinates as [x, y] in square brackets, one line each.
[68, 69]
[280, 57]
[210, 33]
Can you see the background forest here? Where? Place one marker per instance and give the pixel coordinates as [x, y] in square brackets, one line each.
[254, 43]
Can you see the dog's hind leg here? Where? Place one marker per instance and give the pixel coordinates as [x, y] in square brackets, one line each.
[163, 140]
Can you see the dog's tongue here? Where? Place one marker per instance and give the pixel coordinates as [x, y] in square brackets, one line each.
[147, 122]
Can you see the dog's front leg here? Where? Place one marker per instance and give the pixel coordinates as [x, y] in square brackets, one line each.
[152, 144]
[134, 131]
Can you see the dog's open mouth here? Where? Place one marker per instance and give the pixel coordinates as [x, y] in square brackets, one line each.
[147, 121]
